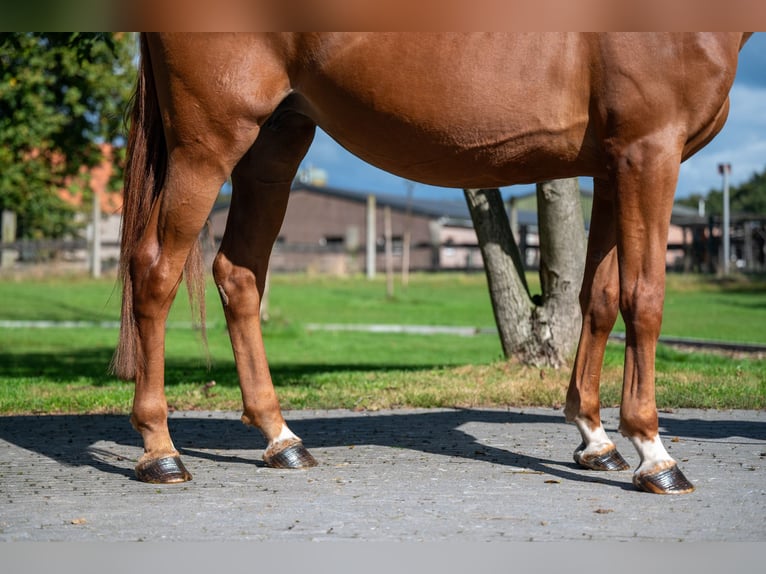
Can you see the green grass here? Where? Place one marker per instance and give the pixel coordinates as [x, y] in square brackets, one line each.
[714, 309]
[64, 370]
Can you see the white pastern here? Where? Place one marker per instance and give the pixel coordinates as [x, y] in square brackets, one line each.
[286, 435]
[596, 440]
[652, 453]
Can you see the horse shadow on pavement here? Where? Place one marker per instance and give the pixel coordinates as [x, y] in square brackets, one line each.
[72, 440]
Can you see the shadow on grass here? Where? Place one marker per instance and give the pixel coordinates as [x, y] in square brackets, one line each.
[63, 366]
[43, 304]
[93, 365]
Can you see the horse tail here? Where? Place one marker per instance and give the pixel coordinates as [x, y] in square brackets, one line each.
[145, 170]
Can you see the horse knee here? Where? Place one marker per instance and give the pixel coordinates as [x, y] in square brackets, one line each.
[600, 308]
[234, 278]
[221, 268]
[237, 286]
[154, 285]
[641, 308]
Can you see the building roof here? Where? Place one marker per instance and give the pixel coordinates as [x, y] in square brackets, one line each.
[455, 211]
[451, 211]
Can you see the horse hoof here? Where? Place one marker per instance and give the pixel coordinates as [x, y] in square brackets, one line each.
[667, 481]
[166, 470]
[294, 456]
[609, 460]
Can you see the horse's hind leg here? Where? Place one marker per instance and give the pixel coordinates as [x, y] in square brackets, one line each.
[201, 155]
[599, 300]
[261, 183]
[156, 268]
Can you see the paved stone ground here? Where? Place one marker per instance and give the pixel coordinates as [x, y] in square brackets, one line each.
[415, 475]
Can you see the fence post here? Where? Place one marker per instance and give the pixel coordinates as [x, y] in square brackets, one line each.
[389, 252]
[371, 236]
[8, 227]
[407, 237]
[95, 248]
[725, 169]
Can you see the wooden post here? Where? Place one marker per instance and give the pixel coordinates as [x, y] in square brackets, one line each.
[407, 237]
[406, 258]
[371, 246]
[8, 228]
[725, 169]
[95, 248]
[389, 252]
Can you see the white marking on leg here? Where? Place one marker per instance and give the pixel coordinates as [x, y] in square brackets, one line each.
[596, 440]
[285, 435]
[285, 439]
[653, 455]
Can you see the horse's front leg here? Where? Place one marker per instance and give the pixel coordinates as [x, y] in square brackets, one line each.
[646, 175]
[261, 186]
[599, 304]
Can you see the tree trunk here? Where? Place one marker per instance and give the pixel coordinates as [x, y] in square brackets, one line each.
[508, 290]
[542, 331]
[562, 261]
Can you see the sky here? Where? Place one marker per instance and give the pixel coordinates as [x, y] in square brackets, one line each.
[742, 143]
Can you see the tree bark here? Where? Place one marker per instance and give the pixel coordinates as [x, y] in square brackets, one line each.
[540, 331]
[503, 266]
[562, 261]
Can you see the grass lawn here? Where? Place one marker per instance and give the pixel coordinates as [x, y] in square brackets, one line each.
[64, 369]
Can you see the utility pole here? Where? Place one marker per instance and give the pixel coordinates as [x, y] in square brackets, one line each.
[725, 169]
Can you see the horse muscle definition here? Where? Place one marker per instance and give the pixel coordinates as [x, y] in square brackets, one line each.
[459, 110]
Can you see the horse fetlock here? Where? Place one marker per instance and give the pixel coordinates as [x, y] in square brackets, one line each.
[277, 446]
[654, 457]
[250, 419]
[593, 435]
[150, 419]
[156, 439]
[285, 449]
[571, 410]
[597, 451]
[284, 439]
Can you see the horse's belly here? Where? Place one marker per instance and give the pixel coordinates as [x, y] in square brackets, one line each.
[469, 163]
[459, 111]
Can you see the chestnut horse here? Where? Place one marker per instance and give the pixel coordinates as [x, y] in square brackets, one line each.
[456, 110]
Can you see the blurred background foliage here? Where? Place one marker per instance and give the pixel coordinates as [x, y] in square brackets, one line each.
[62, 97]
